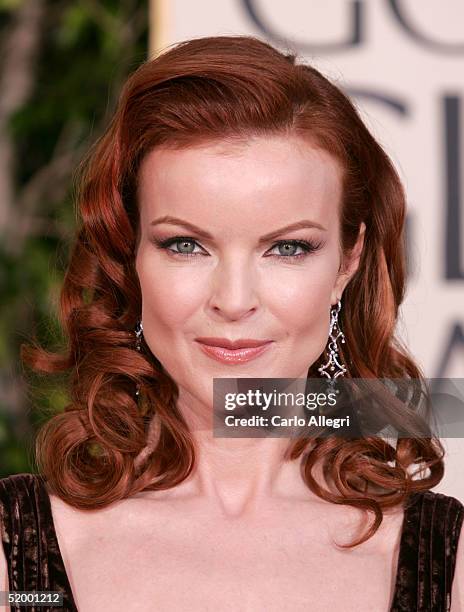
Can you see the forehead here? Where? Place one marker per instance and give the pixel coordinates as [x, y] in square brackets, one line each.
[276, 178]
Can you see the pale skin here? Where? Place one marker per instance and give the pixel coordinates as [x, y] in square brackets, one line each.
[243, 532]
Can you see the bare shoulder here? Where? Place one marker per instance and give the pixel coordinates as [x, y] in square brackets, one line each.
[78, 529]
[4, 585]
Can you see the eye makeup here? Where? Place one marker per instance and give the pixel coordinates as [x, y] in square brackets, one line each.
[307, 247]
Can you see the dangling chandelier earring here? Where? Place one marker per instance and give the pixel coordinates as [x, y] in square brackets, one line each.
[333, 364]
[138, 344]
[138, 335]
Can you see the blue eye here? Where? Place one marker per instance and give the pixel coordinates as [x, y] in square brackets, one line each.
[186, 245]
[291, 245]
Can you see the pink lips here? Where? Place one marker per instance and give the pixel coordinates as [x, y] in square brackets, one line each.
[234, 355]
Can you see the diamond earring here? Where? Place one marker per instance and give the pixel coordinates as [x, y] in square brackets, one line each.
[138, 335]
[333, 364]
[138, 343]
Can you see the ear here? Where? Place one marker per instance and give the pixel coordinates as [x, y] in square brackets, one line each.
[350, 267]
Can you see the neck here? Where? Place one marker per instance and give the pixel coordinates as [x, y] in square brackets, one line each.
[240, 475]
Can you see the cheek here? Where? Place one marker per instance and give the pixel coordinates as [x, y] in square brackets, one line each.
[169, 298]
[170, 294]
[302, 306]
[303, 296]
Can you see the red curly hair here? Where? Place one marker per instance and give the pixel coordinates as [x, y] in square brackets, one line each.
[106, 445]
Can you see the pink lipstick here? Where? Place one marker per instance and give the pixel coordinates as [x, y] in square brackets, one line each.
[226, 351]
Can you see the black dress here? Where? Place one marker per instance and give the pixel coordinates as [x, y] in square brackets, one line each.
[427, 556]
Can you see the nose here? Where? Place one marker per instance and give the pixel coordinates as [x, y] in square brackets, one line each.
[234, 289]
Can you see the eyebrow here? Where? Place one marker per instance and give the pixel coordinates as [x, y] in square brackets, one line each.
[305, 223]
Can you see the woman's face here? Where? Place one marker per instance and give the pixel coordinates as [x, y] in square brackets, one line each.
[230, 278]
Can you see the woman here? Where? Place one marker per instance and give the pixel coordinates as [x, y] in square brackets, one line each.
[237, 199]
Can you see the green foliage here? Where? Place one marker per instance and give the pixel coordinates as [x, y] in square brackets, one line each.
[86, 51]
[9, 5]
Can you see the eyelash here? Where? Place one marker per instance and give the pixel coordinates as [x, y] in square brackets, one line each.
[308, 247]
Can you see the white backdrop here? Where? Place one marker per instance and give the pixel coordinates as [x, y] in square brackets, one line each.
[402, 62]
